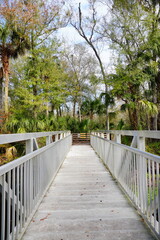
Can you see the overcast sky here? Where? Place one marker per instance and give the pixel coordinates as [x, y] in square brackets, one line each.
[70, 35]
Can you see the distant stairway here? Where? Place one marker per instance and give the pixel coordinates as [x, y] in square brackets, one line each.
[80, 138]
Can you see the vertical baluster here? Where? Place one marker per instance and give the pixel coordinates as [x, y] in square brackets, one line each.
[129, 173]
[135, 179]
[158, 194]
[126, 172]
[150, 189]
[148, 209]
[36, 176]
[120, 170]
[13, 203]
[36, 179]
[21, 196]
[138, 182]
[131, 177]
[8, 204]
[34, 182]
[124, 168]
[17, 203]
[24, 193]
[39, 177]
[154, 195]
[124, 176]
[3, 208]
[27, 189]
[144, 185]
[31, 183]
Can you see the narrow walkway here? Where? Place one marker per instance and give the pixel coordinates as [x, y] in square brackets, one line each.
[84, 203]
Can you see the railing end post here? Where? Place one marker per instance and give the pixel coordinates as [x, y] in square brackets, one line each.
[29, 146]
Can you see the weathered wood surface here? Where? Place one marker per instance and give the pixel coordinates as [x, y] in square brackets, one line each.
[80, 138]
[84, 203]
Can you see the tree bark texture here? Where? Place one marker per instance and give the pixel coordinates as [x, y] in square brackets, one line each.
[133, 118]
[5, 63]
[1, 89]
[154, 119]
[74, 108]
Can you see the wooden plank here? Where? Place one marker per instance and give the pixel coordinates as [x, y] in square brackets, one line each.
[80, 138]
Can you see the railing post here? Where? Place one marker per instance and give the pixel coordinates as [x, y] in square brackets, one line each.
[48, 140]
[102, 135]
[107, 136]
[141, 143]
[29, 146]
[117, 155]
[142, 174]
[56, 137]
[118, 138]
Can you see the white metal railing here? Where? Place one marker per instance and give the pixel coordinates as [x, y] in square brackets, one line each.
[144, 133]
[24, 181]
[138, 173]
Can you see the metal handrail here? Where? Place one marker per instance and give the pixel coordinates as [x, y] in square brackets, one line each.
[24, 181]
[9, 138]
[137, 172]
[143, 133]
[151, 156]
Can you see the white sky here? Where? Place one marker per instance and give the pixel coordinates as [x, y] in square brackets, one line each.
[70, 35]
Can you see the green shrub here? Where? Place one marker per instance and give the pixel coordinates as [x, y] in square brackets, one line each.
[153, 147]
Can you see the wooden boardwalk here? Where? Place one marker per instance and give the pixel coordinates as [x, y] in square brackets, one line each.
[84, 203]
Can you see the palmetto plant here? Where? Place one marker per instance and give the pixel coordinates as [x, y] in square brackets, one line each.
[92, 106]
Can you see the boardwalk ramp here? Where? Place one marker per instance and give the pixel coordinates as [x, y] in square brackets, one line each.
[85, 203]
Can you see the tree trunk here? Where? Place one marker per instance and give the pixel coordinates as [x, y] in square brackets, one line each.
[83, 33]
[91, 115]
[158, 100]
[154, 119]
[35, 107]
[60, 112]
[5, 63]
[6, 92]
[79, 112]
[52, 108]
[47, 109]
[1, 89]
[158, 122]
[148, 122]
[107, 113]
[57, 111]
[74, 109]
[133, 118]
